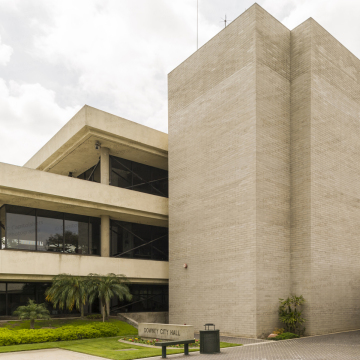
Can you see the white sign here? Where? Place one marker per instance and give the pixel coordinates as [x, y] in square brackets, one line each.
[166, 331]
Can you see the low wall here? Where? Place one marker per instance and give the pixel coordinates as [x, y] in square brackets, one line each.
[166, 331]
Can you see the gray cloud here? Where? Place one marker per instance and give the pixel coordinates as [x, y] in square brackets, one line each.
[56, 56]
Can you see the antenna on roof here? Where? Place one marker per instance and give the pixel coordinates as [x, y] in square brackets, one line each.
[225, 20]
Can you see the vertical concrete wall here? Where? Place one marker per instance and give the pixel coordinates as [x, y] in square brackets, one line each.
[301, 257]
[212, 169]
[272, 169]
[327, 268]
[229, 178]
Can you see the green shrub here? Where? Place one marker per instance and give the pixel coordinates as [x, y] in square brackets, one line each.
[94, 316]
[285, 336]
[89, 331]
[290, 315]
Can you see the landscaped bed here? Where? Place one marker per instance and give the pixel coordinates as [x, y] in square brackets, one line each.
[107, 347]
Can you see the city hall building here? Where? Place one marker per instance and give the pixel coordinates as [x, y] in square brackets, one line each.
[254, 194]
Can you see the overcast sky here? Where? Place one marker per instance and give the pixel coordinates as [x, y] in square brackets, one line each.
[57, 55]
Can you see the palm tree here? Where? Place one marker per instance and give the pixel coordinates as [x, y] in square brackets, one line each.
[32, 311]
[68, 291]
[105, 288]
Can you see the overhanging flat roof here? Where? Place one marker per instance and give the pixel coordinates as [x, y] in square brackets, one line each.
[72, 149]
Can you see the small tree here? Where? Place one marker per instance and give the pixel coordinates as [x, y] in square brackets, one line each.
[68, 291]
[290, 316]
[105, 288]
[32, 311]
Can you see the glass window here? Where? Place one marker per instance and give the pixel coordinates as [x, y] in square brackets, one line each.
[121, 175]
[145, 298]
[91, 174]
[160, 246]
[76, 234]
[139, 177]
[142, 178]
[44, 230]
[2, 299]
[94, 230]
[2, 227]
[19, 294]
[20, 224]
[159, 180]
[139, 241]
[50, 231]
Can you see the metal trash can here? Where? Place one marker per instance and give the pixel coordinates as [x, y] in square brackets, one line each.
[209, 340]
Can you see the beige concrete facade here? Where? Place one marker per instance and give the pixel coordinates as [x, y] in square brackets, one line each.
[263, 165]
[43, 183]
[24, 265]
[33, 188]
[325, 171]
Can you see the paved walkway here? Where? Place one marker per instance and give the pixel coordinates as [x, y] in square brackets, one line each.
[48, 354]
[342, 346]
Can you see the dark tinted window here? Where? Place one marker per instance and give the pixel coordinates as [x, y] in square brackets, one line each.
[49, 230]
[145, 298]
[76, 234]
[92, 174]
[139, 241]
[20, 224]
[2, 299]
[2, 227]
[139, 177]
[94, 236]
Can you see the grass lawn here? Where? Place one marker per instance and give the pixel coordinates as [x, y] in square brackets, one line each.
[109, 348]
[105, 347]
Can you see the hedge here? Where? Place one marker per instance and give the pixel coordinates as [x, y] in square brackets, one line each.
[90, 331]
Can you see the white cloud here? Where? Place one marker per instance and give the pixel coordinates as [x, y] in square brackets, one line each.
[5, 53]
[339, 17]
[29, 115]
[123, 51]
[115, 55]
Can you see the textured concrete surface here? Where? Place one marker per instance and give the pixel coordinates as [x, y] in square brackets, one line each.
[343, 346]
[229, 178]
[325, 196]
[264, 157]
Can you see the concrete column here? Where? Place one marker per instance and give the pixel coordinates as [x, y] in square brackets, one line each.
[104, 166]
[105, 235]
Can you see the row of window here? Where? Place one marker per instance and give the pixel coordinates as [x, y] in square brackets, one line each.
[31, 229]
[132, 175]
[43, 230]
[145, 298]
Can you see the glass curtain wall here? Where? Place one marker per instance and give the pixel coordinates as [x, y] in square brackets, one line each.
[2, 227]
[15, 294]
[44, 230]
[139, 177]
[145, 298]
[138, 241]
